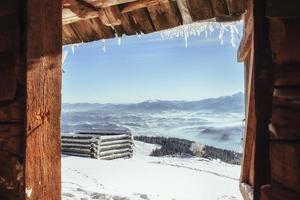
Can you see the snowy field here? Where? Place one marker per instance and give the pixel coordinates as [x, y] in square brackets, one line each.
[149, 178]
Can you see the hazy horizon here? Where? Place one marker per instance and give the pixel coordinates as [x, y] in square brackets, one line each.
[152, 100]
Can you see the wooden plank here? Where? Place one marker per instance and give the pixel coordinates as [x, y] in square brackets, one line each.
[236, 7]
[265, 192]
[278, 192]
[83, 32]
[80, 150]
[200, 10]
[165, 15]
[141, 21]
[126, 26]
[12, 112]
[284, 40]
[228, 18]
[11, 132]
[110, 16]
[250, 131]
[103, 31]
[287, 103]
[115, 137]
[285, 164]
[71, 145]
[287, 76]
[184, 11]
[114, 151]
[283, 9]
[116, 142]
[74, 10]
[115, 156]
[9, 30]
[77, 154]
[247, 40]
[219, 7]
[8, 82]
[69, 36]
[107, 3]
[8, 7]
[43, 103]
[292, 93]
[135, 5]
[11, 138]
[115, 146]
[285, 121]
[263, 68]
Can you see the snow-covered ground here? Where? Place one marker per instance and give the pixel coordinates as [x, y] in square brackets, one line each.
[149, 178]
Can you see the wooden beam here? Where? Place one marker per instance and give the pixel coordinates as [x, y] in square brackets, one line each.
[141, 21]
[75, 10]
[245, 44]
[219, 7]
[165, 15]
[107, 3]
[284, 35]
[43, 100]
[250, 130]
[263, 83]
[236, 7]
[135, 5]
[200, 9]
[184, 11]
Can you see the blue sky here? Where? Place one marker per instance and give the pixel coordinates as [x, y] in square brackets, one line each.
[149, 67]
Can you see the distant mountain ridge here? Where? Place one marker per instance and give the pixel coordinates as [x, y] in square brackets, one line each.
[230, 103]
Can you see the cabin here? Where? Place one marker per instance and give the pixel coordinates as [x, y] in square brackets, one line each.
[102, 144]
[34, 31]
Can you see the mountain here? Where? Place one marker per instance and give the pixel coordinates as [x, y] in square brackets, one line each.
[230, 103]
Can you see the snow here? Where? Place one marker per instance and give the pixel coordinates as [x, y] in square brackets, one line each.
[146, 177]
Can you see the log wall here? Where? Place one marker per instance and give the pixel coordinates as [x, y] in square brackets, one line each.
[106, 147]
[272, 161]
[30, 79]
[12, 101]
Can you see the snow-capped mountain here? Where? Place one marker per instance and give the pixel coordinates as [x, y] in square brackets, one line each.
[231, 103]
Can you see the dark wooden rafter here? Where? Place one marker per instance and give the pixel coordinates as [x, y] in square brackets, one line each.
[165, 15]
[263, 83]
[122, 15]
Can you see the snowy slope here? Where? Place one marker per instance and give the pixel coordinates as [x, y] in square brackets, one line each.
[149, 178]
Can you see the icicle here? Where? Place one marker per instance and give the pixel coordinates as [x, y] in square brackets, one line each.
[119, 41]
[232, 39]
[103, 45]
[196, 28]
[73, 48]
[186, 40]
[64, 56]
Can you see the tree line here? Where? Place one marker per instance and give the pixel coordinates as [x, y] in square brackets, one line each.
[182, 147]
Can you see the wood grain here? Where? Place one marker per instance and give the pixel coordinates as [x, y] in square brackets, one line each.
[43, 103]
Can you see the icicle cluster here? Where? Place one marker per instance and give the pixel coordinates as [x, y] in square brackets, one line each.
[198, 28]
